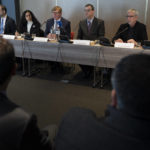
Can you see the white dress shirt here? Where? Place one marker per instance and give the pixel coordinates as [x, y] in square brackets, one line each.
[29, 25]
[4, 21]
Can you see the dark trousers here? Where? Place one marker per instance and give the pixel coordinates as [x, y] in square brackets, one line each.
[88, 70]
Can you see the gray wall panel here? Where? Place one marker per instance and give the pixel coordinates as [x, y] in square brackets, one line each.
[41, 8]
[112, 12]
[73, 10]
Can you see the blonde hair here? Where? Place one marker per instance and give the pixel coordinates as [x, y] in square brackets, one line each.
[57, 8]
[134, 11]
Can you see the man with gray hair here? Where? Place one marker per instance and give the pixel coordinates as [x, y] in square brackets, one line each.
[133, 31]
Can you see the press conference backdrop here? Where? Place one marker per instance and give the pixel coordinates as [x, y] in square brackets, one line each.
[112, 12]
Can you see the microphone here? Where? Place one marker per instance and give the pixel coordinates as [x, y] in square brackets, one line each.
[125, 29]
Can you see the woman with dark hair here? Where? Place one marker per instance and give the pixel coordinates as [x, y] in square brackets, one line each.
[29, 24]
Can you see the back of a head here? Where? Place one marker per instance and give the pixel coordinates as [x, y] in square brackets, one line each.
[7, 60]
[131, 80]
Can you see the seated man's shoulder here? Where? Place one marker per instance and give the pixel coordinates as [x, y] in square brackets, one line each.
[123, 26]
[83, 21]
[9, 19]
[20, 115]
[99, 20]
[64, 19]
[141, 24]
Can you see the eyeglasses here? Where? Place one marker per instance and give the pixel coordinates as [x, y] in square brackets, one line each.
[130, 16]
[55, 12]
[87, 10]
[28, 15]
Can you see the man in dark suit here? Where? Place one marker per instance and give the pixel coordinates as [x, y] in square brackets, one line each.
[126, 125]
[7, 24]
[133, 31]
[62, 23]
[90, 28]
[18, 129]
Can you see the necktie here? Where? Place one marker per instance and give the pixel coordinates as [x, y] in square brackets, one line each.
[89, 26]
[2, 26]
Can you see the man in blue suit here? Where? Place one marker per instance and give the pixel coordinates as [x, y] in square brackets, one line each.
[62, 23]
[7, 24]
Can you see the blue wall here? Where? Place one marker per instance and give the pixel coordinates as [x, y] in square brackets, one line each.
[10, 5]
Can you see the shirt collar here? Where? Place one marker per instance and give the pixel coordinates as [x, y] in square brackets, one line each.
[91, 20]
[4, 17]
[58, 19]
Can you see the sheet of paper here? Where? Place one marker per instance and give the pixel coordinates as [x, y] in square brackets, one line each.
[124, 45]
[40, 39]
[9, 37]
[81, 42]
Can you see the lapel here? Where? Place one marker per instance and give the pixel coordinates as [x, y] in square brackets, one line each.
[85, 25]
[94, 23]
[6, 21]
[62, 20]
[32, 28]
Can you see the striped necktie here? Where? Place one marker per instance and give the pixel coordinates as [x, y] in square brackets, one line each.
[89, 26]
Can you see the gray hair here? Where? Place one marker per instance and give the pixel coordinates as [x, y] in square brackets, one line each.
[134, 11]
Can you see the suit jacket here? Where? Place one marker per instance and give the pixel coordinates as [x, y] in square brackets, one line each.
[65, 30]
[18, 129]
[125, 32]
[35, 29]
[97, 30]
[10, 26]
[80, 129]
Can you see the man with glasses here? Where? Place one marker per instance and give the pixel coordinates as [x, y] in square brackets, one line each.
[90, 28]
[61, 23]
[133, 31]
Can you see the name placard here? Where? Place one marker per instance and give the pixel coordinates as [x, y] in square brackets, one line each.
[82, 42]
[40, 39]
[124, 45]
[8, 37]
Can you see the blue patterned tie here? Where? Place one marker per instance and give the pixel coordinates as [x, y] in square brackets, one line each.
[1, 27]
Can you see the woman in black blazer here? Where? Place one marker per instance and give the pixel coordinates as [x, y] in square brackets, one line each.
[29, 24]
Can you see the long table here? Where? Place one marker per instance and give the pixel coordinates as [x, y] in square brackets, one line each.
[98, 56]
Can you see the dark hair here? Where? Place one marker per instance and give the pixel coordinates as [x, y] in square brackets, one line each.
[7, 60]
[87, 5]
[23, 21]
[4, 8]
[131, 80]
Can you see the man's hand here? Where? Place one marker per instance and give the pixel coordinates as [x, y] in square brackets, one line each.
[119, 40]
[51, 36]
[132, 41]
[17, 33]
